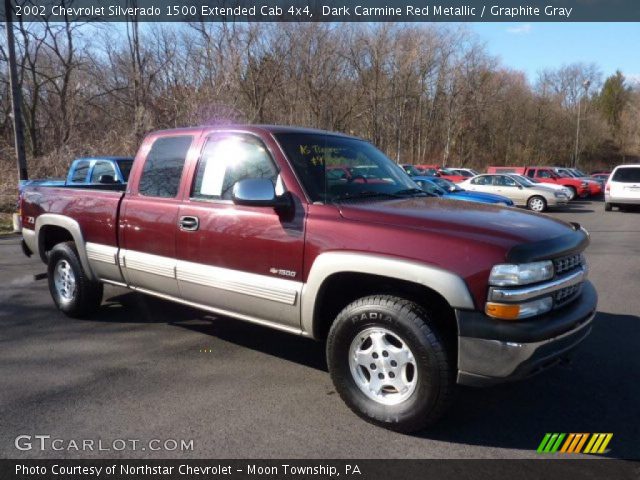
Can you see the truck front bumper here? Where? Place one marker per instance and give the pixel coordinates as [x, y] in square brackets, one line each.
[493, 351]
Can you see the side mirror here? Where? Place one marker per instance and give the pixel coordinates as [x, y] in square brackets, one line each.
[106, 179]
[258, 192]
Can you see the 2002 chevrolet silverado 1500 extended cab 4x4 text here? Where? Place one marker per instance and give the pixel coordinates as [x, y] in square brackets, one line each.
[412, 294]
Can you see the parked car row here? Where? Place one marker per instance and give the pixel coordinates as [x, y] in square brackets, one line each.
[504, 189]
[537, 188]
[577, 183]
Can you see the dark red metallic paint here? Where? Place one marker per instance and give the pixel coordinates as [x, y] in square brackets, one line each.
[466, 239]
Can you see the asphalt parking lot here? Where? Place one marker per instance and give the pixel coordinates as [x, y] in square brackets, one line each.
[147, 369]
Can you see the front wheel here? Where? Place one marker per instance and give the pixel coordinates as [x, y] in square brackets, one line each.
[72, 291]
[537, 204]
[389, 364]
[573, 193]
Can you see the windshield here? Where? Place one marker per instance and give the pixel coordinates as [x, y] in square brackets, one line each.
[527, 182]
[520, 180]
[413, 171]
[370, 173]
[445, 184]
[431, 188]
[125, 168]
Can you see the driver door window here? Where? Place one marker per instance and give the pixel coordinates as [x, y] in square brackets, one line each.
[504, 181]
[227, 160]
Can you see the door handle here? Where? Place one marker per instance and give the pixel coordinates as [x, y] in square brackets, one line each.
[189, 223]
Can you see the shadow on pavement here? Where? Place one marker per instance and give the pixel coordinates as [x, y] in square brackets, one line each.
[598, 392]
[141, 308]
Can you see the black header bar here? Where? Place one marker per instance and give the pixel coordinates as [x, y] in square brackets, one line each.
[327, 10]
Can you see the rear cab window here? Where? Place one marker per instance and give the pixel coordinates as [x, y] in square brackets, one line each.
[163, 167]
[80, 171]
[101, 168]
[627, 175]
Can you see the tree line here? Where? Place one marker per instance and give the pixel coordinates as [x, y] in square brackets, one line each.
[422, 93]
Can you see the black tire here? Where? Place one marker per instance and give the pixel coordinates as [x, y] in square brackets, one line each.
[533, 202]
[573, 192]
[434, 365]
[80, 301]
[607, 207]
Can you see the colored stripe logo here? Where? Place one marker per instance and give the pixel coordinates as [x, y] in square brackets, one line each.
[594, 443]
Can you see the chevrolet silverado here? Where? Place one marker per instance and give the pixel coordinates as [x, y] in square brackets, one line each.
[411, 294]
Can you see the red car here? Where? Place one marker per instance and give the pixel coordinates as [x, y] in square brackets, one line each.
[451, 175]
[411, 293]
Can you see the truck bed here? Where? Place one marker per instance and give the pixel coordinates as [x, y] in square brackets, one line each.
[94, 207]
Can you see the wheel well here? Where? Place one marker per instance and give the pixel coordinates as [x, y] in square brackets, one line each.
[49, 237]
[340, 289]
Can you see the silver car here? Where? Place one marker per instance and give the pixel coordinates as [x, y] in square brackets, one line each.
[523, 193]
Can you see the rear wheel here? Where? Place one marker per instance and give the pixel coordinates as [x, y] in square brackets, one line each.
[537, 204]
[71, 290]
[607, 207]
[389, 364]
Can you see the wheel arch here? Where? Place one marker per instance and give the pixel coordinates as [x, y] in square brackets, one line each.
[51, 229]
[351, 275]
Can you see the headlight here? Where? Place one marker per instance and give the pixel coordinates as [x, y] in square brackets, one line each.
[523, 274]
[508, 311]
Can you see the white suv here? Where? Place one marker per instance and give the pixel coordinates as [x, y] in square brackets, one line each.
[623, 187]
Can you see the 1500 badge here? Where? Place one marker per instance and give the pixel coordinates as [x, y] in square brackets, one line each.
[282, 272]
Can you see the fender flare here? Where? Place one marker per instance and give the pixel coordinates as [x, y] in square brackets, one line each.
[449, 285]
[73, 227]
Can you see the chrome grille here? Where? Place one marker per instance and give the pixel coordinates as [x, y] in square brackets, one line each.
[568, 263]
[565, 295]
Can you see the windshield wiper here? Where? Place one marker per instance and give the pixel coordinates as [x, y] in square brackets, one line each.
[411, 192]
[371, 194]
[365, 194]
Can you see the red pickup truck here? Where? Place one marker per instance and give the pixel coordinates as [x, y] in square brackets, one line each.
[578, 187]
[412, 294]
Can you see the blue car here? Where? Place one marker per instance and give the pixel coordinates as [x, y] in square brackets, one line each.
[444, 188]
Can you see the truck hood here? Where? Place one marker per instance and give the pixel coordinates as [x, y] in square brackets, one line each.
[504, 226]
